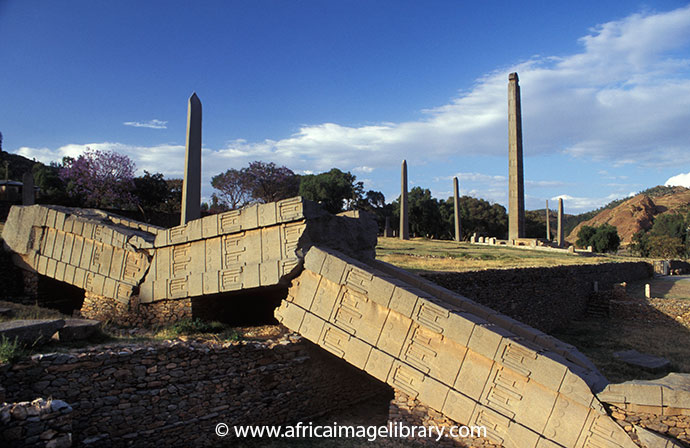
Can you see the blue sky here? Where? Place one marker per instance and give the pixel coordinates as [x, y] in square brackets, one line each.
[361, 85]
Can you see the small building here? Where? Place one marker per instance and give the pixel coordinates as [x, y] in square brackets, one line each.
[10, 191]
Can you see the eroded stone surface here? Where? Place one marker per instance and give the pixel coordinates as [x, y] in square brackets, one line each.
[78, 329]
[651, 439]
[99, 252]
[670, 392]
[258, 246]
[30, 331]
[647, 362]
[455, 356]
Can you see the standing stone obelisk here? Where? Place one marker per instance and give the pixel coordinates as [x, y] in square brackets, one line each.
[191, 189]
[548, 222]
[456, 207]
[516, 194]
[387, 231]
[560, 222]
[404, 223]
[28, 197]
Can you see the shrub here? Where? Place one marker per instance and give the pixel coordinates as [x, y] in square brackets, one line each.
[602, 239]
[194, 326]
[10, 350]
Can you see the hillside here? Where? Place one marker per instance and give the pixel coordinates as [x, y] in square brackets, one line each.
[639, 212]
[17, 165]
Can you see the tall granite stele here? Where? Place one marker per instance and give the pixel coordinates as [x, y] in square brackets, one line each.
[516, 195]
[560, 222]
[28, 196]
[548, 222]
[404, 223]
[191, 189]
[456, 207]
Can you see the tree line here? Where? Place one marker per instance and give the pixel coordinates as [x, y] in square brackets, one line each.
[105, 179]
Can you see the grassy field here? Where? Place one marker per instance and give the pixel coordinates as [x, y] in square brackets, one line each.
[419, 254]
[598, 339]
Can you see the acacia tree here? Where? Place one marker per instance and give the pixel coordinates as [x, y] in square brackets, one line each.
[232, 189]
[259, 182]
[100, 179]
[268, 182]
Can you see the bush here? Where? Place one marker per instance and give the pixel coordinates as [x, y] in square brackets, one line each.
[602, 239]
[194, 326]
[665, 246]
[10, 350]
[585, 236]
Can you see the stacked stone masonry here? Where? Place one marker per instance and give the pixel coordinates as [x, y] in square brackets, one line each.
[39, 423]
[174, 393]
[545, 298]
[134, 314]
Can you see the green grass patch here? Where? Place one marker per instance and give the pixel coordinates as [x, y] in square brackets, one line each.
[20, 311]
[11, 350]
[187, 327]
[420, 254]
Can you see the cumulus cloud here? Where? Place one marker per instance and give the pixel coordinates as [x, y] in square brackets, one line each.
[682, 180]
[574, 205]
[624, 98]
[164, 158]
[151, 124]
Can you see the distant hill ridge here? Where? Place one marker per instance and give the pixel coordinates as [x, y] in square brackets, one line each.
[631, 215]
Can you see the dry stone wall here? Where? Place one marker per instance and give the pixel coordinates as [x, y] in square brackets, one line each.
[174, 393]
[135, 314]
[545, 298]
[39, 423]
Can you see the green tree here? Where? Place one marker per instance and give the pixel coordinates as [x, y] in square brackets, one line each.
[174, 202]
[334, 190]
[535, 224]
[670, 224]
[602, 239]
[666, 246]
[232, 187]
[585, 236]
[606, 239]
[52, 188]
[640, 244]
[268, 182]
[151, 191]
[259, 182]
[668, 237]
[483, 218]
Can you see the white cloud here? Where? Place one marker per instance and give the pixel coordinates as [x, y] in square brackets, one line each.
[165, 158]
[575, 205]
[151, 124]
[624, 99]
[682, 180]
